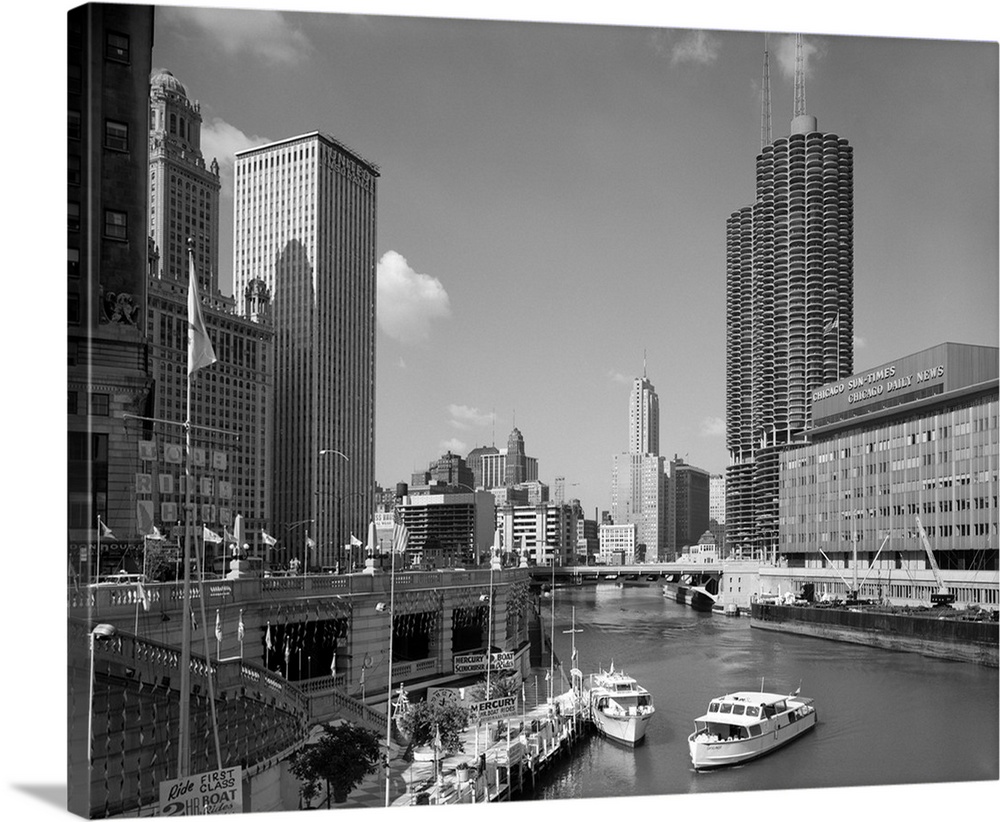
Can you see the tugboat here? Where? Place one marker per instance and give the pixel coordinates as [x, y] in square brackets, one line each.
[619, 706]
[744, 725]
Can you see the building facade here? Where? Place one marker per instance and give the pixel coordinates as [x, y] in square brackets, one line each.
[448, 530]
[474, 460]
[108, 380]
[305, 219]
[913, 438]
[789, 313]
[617, 544]
[545, 533]
[687, 505]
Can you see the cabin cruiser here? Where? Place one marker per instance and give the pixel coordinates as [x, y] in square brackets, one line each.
[620, 707]
[744, 725]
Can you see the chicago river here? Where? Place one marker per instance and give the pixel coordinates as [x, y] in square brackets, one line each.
[884, 717]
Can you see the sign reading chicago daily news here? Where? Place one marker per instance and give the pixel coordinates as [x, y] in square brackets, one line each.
[204, 793]
[475, 663]
[499, 708]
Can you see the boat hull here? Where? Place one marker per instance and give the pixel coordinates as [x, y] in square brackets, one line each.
[708, 755]
[629, 730]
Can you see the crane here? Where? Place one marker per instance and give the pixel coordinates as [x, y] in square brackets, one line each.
[943, 595]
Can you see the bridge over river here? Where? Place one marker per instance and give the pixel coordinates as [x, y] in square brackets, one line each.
[294, 651]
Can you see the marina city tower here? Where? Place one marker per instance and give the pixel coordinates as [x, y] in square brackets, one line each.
[789, 309]
[304, 224]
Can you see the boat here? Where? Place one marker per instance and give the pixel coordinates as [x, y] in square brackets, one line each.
[620, 707]
[747, 724]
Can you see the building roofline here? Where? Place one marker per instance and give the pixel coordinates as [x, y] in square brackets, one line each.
[326, 138]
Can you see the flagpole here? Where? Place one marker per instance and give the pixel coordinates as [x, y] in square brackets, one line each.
[388, 693]
[97, 570]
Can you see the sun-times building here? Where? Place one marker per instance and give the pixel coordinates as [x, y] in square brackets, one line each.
[912, 438]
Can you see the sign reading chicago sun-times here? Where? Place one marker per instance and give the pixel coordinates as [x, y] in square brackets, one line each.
[499, 708]
[476, 663]
[204, 793]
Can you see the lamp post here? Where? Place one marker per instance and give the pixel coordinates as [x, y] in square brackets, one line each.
[101, 631]
[324, 452]
[292, 527]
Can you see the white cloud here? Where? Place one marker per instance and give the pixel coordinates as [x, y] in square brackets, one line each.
[784, 52]
[456, 446]
[221, 141]
[408, 302]
[615, 376]
[266, 34]
[463, 417]
[713, 427]
[696, 47]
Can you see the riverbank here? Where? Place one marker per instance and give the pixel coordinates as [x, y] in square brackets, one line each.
[940, 634]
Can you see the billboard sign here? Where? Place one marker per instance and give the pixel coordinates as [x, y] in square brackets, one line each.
[202, 794]
[476, 663]
[499, 708]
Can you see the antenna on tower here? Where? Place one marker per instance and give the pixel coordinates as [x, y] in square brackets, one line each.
[800, 78]
[644, 363]
[765, 102]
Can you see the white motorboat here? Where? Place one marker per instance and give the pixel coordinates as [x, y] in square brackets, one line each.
[620, 707]
[747, 724]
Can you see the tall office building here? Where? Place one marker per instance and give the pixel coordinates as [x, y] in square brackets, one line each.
[789, 311]
[687, 505]
[232, 400]
[515, 470]
[305, 220]
[638, 482]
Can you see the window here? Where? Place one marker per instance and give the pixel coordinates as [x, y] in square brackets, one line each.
[73, 262]
[74, 125]
[72, 402]
[100, 405]
[117, 47]
[74, 170]
[115, 224]
[116, 135]
[73, 309]
[74, 216]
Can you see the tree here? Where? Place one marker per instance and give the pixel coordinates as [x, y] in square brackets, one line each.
[343, 756]
[425, 720]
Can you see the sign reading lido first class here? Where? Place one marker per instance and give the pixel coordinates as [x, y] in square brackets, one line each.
[476, 663]
[201, 794]
[499, 708]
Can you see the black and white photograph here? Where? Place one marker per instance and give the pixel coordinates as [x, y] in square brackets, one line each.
[552, 405]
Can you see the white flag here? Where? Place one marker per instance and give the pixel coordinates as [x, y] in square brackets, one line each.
[200, 351]
[218, 626]
[239, 628]
[143, 596]
[267, 538]
[209, 535]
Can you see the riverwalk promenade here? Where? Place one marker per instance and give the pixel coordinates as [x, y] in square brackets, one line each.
[506, 767]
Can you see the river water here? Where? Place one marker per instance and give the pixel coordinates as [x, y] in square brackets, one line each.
[885, 718]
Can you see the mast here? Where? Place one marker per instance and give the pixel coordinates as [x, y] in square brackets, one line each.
[800, 78]
[765, 103]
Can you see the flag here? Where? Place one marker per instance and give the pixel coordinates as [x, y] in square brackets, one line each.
[210, 536]
[310, 543]
[400, 537]
[834, 323]
[156, 534]
[267, 638]
[143, 596]
[194, 622]
[268, 539]
[288, 651]
[333, 667]
[355, 542]
[105, 531]
[200, 351]
[240, 632]
[218, 626]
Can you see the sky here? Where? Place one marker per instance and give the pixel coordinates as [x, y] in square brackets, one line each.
[567, 190]
[553, 197]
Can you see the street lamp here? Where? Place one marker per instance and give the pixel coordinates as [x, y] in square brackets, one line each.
[324, 526]
[288, 530]
[101, 631]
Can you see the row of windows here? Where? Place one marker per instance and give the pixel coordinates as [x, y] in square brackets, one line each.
[100, 404]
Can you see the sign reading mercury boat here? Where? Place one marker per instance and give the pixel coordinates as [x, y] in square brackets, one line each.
[748, 724]
[619, 707]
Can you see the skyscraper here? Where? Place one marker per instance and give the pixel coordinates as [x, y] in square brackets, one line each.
[789, 309]
[305, 220]
[637, 479]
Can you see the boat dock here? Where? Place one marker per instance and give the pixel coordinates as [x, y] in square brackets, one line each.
[509, 761]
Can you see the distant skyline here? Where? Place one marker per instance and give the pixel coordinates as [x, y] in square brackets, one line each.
[553, 198]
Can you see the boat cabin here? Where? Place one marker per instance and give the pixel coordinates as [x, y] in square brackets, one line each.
[741, 716]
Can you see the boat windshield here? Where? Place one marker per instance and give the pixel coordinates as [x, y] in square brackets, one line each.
[752, 710]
